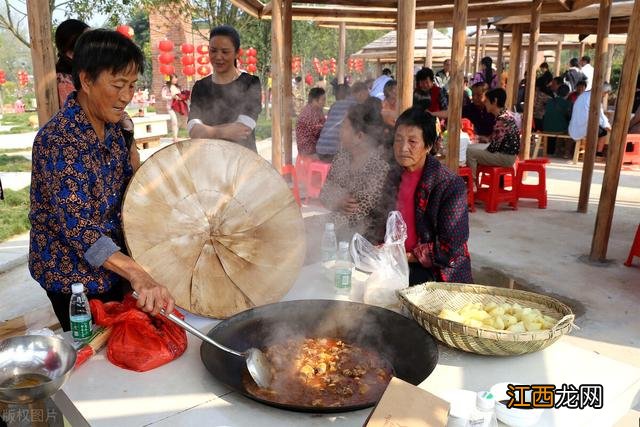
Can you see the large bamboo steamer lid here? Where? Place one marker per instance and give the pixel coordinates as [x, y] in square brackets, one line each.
[216, 224]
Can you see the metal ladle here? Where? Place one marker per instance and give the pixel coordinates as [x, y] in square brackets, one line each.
[258, 365]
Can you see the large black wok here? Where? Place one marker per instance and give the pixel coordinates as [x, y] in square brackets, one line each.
[410, 349]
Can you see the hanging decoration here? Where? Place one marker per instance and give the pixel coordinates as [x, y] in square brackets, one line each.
[3, 77]
[332, 66]
[187, 48]
[252, 60]
[23, 78]
[166, 58]
[296, 65]
[125, 30]
[204, 70]
[187, 60]
[203, 49]
[308, 79]
[204, 60]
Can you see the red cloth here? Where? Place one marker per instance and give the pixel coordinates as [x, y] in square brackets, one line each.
[406, 205]
[435, 99]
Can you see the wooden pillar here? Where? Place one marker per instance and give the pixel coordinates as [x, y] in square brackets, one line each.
[500, 58]
[428, 58]
[456, 83]
[287, 129]
[406, 36]
[582, 46]
[513, 81]
[43, 59]
[558, 59]
[378, 67]
[527, 119]
[600, 62]
[280, 105]
[607, 75]
[342, 48]
[467, 62]
[476, 62]
[617, 141]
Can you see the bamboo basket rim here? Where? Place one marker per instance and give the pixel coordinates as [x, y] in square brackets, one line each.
[562, 326]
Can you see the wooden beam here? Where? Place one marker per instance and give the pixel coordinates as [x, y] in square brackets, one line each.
[579, 4]
[342, 48]
[558, 59]
[428, 58]
[527, 119]
[500, 59]
[279, 102]
[287, 128]
[564, 5]
[266, 10]
[405, 36]
[456, 83]
[513, 81]
[252, 7]
[617, 141]
[595, 104]
[476, 61]
[619, 25]
[43, 59]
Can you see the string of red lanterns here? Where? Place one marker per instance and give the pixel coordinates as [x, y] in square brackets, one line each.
[23, 78]
[3, 77]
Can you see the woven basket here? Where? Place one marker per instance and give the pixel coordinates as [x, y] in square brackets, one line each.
[425, 302]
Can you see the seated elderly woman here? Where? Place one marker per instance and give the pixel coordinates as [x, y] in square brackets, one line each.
[81, 168]
[354, 187]
[433, 203]
[504, 142]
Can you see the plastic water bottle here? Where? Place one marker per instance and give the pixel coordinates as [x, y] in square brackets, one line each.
[329, 245]
[343, 269]
[485, 414]
[79, 313]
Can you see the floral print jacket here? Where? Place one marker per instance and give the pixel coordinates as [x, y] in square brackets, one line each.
[506, 135]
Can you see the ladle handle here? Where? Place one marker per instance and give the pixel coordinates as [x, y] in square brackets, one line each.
[187, 327]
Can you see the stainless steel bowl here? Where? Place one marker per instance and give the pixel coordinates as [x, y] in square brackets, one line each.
[33, 367]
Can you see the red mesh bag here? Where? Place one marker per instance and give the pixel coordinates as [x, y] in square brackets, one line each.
[139, 341]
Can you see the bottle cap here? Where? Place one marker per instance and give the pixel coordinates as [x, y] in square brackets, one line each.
[77, 288]
[329, 226]
[343, 246]
[485, 401]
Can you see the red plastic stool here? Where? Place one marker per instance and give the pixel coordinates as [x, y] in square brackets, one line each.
[635, 248]
[491, 192]
[302, 166]
[316, 176]
[466, 174]
[533, 191]
[291, 170]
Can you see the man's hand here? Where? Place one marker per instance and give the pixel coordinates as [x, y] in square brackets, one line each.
[234, 132]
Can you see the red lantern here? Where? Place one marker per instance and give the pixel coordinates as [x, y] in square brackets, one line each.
[186, 48]
[187, 60]
[203, 60]
[125, 30]
[204, 70]
[166, 58]
[23, 78]
[240, 52]
[165, 45]
[188, 70]
[252, 68]
[203, 49]
[3, 77]
[167, 69]
[252, 60]
[308, 79]
[332, 65]
[251, 52]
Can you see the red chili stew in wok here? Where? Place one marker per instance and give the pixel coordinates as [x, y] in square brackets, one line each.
[323, 372]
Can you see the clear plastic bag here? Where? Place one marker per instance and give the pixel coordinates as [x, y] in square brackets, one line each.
[387, 264]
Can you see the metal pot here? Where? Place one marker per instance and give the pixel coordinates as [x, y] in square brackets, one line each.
[412, 352]
[33, 367]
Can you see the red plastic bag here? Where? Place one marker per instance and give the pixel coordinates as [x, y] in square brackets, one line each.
[139, 341]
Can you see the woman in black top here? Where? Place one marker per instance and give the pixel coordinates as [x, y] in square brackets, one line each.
[226, 104]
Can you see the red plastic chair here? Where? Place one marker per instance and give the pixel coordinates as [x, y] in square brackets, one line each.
[632, 157]
[635, 248]
[316, 176]
[291, 170]
[490, 192]
[466, 174]
[533, 191]
[302, 167]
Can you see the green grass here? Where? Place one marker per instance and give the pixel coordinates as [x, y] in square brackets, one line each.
[14, 164]
[19, 123]
[13, 150]
[14, 213]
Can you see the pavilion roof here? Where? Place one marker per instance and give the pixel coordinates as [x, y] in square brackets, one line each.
[382, 14]
[385, 48]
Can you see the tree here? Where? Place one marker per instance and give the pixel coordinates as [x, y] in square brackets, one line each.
[13, 13]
